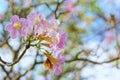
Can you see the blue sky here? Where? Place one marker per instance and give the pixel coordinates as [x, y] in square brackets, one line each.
[3, 6]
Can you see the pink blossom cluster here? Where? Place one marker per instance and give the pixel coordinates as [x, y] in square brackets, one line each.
[37, 28]
[69, 6]
[71, 9]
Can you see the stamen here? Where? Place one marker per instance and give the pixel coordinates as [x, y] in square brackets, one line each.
[17, 25]
[37, 19]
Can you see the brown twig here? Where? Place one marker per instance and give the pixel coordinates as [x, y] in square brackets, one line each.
[113, 23]
[93, 62]
[6, 72]
[5, 41]
[12, 6]
[30, 68]
[57, 7]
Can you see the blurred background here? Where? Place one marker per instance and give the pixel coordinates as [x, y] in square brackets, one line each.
[92, 49]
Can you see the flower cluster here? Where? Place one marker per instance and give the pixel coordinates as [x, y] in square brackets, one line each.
[38, 31]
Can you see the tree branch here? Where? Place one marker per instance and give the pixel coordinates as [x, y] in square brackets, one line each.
[17, 60]
[6, 72]
[93, 62]
[29, 69]
[57, 7]
[12, 6]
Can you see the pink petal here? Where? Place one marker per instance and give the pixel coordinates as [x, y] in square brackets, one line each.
[62, 40]
[14, 19]
[61, 58]
[58, 70]
[64, 36]
[8, 27]
[21, 32]
[31, 15]
[41, 16]
[61, 45]
[13, 33]
[24, 23]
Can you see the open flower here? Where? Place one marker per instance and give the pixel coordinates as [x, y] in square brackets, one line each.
[17, 26]
[35, 18]
[37, 22]
[54, 64]
[57, 67]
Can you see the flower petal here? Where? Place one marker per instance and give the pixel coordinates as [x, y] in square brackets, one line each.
[8, 27]
[62, 39]
[14, 19]
[13, 33]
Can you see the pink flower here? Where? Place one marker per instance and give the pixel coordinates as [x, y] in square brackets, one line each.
[38, 22]
[109, 36]
[50, 27]
[17, 26]
[59, 43]
[34, 18]
[57, 67]
[52, 30]
[63, 38]
[70, 6]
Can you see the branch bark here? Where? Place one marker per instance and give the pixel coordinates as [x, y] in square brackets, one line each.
[17, 60]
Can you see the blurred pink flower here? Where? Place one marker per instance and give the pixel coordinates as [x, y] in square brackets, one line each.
[57, 67]
[52, 16]
[53, 30]
[38, 22]
[17, 26]
[63, 38]
[59, 44]
[35, 18]
[70, 6]
[109, 36]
